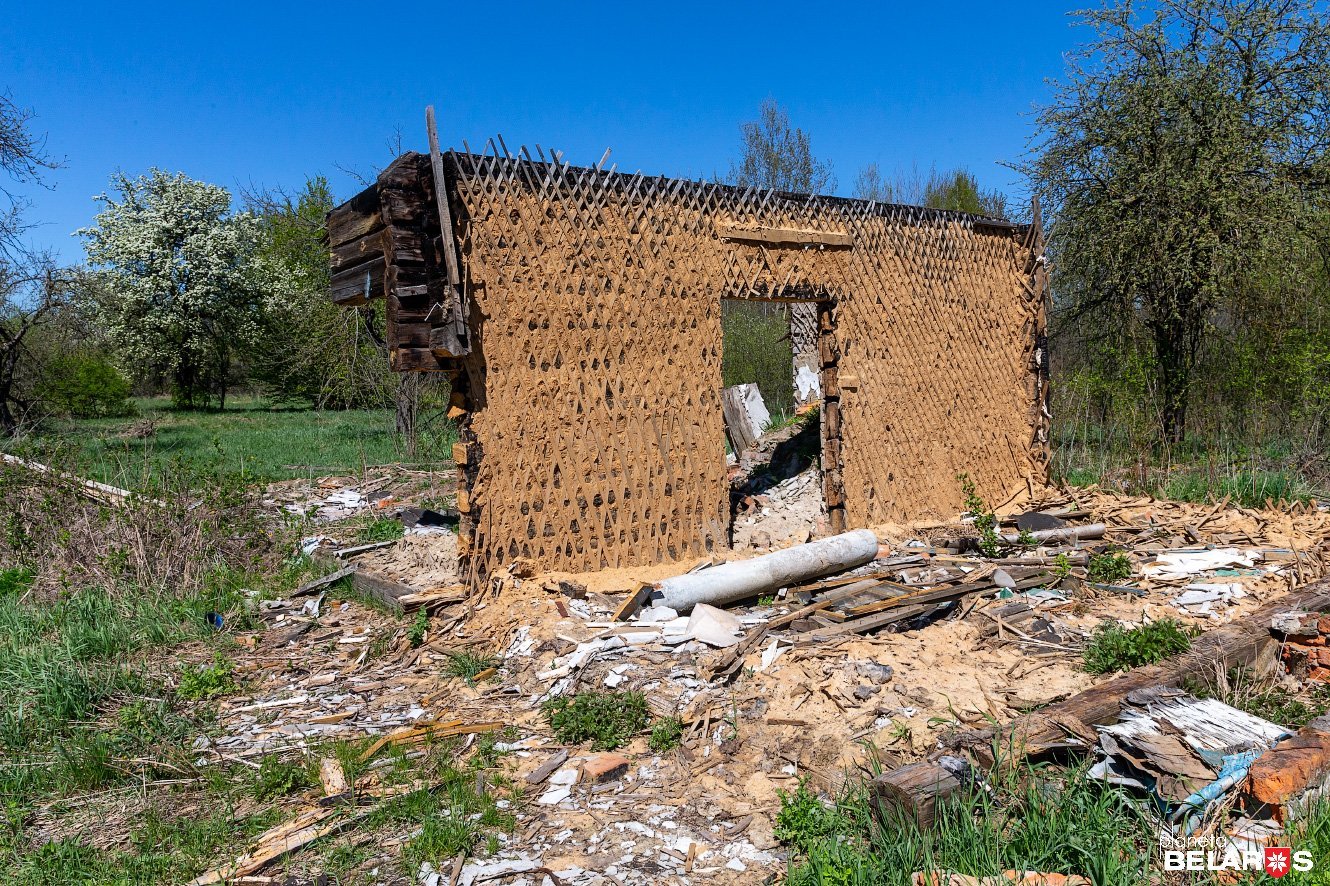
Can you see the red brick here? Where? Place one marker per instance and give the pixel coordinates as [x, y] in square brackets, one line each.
[1290, 768]
[603, 767]
[1323, 624]
[1320, 675]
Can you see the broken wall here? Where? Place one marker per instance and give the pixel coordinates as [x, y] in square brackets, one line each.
[590, 399]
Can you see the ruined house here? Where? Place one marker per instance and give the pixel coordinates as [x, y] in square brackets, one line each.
[577, 312]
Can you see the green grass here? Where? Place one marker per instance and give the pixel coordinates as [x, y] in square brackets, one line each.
[468, 664]
[666, 734]
[1264, 698]
[1038, 819]
[1202, 469]
[251, 440]
[206, 681]
[1115, 648]
[608, 720]
[165, 848]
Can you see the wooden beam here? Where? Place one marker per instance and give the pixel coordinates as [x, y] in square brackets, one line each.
[783, 236]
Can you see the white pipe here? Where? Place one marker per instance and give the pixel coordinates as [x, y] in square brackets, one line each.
[1066, 533]
[749, 578]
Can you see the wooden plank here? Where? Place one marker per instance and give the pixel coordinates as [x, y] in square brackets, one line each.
[783, 236]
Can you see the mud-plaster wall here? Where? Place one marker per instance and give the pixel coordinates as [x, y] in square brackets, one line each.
[596, 372]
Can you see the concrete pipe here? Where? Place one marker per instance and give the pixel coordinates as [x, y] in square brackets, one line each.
[750, 578]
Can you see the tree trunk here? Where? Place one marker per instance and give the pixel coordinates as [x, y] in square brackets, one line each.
[1175, 339]
[407, 403]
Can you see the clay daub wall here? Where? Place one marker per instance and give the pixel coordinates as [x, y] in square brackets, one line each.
[589, 393]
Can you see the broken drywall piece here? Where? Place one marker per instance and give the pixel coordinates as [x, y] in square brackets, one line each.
[746, 415]
[1183, 564]
[713, 626]
[807, 385]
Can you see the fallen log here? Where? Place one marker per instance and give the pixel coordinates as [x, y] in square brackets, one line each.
[751, 578]
[1239, 643]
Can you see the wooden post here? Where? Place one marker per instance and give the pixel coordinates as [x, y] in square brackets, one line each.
[448, 339]
[833, 483]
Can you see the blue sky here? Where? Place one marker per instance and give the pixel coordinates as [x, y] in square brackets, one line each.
[268, 94]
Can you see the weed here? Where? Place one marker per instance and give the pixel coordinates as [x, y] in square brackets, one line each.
[804, 820]
[278, 778]
[1062, 566]
[468, 664]
[666, 734]
[379, 529]
[606, 719]
[985, 521]
[1109, 568]
[1026, 539]
[15, 581]
[766, 600]
[206, 681]
[415, 634]
[1115, 648]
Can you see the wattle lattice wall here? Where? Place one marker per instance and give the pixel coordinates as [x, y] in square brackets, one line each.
[594, 433]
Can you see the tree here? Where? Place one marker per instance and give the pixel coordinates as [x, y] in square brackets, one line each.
[31, 288]
[185, 280]
[312, 350]
[32, 292]
[1184, 151]
[777, 156]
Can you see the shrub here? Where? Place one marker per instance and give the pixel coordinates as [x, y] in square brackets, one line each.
[205, 681]
[606, 719]
[666, 734]
[1109, 568]
[1115, 648]
[86, 386]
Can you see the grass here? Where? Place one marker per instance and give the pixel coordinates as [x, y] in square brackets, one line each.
[198, 682]
[468, 665]
[666, 734]
[165, 848]
[1030, 818]
[608, 720]
[1202, 469]
[1115, 648]
[251, 440]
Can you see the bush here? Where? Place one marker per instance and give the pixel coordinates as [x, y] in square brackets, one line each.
[86, 386]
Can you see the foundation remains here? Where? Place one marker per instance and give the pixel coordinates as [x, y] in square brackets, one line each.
[577, 312]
